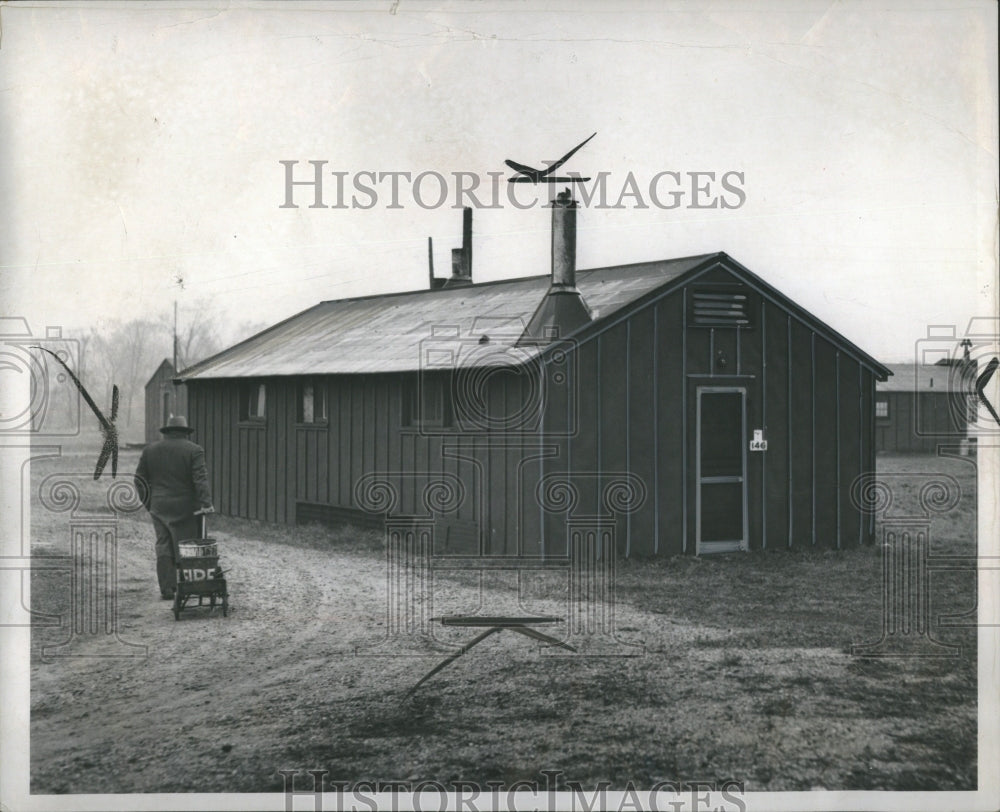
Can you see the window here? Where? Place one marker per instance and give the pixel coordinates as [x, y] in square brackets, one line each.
[426, 403]
[311, 402]
[881, 408]
[719, 307]
[253, 400]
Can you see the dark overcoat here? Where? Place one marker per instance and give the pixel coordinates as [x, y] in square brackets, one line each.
[172, 481]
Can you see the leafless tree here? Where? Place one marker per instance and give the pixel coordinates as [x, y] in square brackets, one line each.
[127, 353]
[202, 331]
[198, 332]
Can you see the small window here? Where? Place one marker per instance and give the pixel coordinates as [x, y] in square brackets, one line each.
[881, 408]
[253, 401]
[426, 404]
[312, 402]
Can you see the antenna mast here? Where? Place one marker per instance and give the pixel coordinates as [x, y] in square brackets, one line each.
[175, 337]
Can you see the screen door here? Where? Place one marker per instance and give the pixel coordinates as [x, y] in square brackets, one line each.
[721, 470]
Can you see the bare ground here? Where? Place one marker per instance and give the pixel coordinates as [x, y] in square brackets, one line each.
[745, 673]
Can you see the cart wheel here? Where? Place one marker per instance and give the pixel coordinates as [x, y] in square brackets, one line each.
[177, 605]
[225, 605]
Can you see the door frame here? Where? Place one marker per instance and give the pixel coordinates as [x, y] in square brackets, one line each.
[720, 546]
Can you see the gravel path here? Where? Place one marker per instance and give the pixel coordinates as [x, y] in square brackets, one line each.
[221, 704]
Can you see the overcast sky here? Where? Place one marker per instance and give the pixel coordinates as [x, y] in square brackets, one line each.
[142, 149]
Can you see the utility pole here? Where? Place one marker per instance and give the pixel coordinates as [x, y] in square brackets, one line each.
[175, 338]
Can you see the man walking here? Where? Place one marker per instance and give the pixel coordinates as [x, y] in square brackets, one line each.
[172, 482]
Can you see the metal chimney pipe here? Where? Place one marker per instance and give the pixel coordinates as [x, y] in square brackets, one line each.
[467, 243]
[430, 261]
[564, 240]
[461, 258]
[562, 309]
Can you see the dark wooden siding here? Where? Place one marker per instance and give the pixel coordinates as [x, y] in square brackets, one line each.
[642, 435]
[583, 454]
[802, 428]
[670, 420]
[622, 403]
[849, 431]
[752, 376]
[917, 422]
[775, 414]
[826, 444]
[637, 413]
[612, 418]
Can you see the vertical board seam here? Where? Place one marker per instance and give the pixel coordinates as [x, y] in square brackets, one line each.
[711, 351]
[861, 443]
[597, 397]
[812, 342]
[837, 438]
[684, 435]
[628, 425]
[542, 380]
[763, 420]
[656, 433]
[789, 432]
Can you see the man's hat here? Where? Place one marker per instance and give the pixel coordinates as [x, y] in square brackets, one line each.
[177, 423]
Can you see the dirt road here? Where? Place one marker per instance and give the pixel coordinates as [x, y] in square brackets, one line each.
[212, 694]
[743, 675]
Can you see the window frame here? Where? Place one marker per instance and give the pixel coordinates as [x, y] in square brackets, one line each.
[253, 410]
[884, 402]
[320, 397]
[414, 415]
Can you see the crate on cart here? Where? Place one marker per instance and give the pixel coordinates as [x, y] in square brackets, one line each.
[199, 575]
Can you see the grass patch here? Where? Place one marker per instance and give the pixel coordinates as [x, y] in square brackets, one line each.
[746, 673]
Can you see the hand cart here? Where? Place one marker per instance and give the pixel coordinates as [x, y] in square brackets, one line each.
[199, 574]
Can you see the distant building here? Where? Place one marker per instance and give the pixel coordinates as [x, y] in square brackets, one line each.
[740, 418]
[164, 398]
[923, 406]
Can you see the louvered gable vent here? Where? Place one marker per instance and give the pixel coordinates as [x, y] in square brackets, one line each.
[719, 307]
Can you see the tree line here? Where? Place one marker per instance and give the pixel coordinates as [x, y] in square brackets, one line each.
[126, 353]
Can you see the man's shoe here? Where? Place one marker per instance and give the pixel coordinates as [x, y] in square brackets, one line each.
[166, 596]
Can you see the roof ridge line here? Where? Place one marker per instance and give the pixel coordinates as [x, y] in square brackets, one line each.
[510, 279]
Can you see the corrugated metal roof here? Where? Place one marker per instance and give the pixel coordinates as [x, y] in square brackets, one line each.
[924, 378]
[390, 333]
[395, 332]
